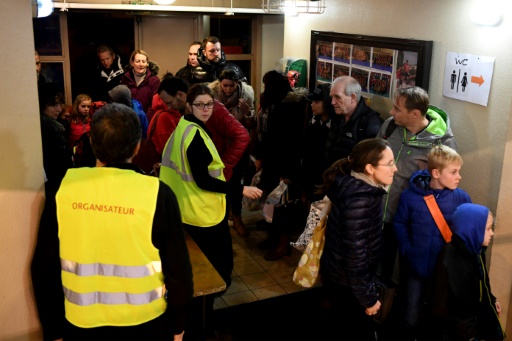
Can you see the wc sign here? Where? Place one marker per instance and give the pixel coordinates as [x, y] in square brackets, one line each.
[468, 77]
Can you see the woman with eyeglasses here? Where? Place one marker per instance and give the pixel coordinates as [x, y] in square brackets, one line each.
[353, 236]
[193, 169]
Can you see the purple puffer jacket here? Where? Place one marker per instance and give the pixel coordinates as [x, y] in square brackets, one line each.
[146, 89]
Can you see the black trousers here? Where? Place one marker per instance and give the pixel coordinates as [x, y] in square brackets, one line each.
[215, 243]
[348, 319]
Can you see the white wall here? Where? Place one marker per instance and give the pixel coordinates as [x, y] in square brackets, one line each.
[481, 132]
[272, 40]
[21, 171]
[167, 39]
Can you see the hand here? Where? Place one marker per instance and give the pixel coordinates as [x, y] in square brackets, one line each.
[373, 310]
[498, 307]
[244, 107]
[252, 192]
[179, 337]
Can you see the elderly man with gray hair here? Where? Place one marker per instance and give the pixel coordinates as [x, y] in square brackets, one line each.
[354, 120]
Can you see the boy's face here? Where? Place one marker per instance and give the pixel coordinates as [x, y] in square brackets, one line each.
[488, 231]
[449, 176]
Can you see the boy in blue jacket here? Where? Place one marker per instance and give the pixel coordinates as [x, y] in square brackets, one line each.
[419, 239]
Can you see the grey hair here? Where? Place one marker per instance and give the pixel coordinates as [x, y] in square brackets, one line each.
[352, 86]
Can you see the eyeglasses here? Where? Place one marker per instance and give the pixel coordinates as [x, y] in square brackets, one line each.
[201, 106]
[390, 165]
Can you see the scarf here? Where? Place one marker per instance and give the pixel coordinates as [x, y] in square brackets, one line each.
[139, 77]
[365, 178]
[230, 102]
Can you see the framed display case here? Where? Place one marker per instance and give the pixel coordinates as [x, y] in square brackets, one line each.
[380, 64]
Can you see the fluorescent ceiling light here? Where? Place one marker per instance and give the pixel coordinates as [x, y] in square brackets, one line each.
[164, 2]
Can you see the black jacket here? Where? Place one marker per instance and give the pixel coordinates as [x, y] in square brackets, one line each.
[167, 237]
[364, 123]
[57, 156]
[461, 297]
[213, 70]
[353, 237]
[280, 132]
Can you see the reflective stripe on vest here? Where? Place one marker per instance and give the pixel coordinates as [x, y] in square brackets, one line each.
[99, 297]
[198, 207]
[111, 271]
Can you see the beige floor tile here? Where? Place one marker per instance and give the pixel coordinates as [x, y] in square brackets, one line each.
[235, 245]
[260, 233]
[292, 287]
[248, 268]
[237, 285]
[284, 275]
[241, 255]
[275, 264]
[259, 280]
[219, 303]
[250, 242]
[239, 298]
[257, 253]
[268, 292]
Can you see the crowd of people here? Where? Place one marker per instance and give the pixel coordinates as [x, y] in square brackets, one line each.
[111, 259]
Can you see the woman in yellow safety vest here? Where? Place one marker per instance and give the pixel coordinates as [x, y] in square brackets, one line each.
[192, 167]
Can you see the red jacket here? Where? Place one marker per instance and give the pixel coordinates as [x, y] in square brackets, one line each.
[229, 136]
[163, 128]
[146, 89]
[156, 104]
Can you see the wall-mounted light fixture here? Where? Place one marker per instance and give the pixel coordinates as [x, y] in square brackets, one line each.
[164, 2]
[293, 7]
[41, 8]
[487, 13]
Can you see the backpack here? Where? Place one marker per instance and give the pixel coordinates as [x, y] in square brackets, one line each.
[390, 129]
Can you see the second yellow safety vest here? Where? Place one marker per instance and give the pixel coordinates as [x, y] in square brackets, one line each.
[198, 207]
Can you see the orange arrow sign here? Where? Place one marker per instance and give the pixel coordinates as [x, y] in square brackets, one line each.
[477, 80]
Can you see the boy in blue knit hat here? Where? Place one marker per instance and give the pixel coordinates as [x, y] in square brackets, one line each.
[462, 296]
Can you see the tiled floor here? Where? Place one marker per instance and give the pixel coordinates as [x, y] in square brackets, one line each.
[253, 277]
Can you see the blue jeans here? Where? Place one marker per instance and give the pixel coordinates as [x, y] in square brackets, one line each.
[415, 287]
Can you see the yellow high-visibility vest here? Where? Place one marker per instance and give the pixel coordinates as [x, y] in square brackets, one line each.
[198, 207]
[111, 272]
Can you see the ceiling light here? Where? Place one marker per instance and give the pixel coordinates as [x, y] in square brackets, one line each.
[164, 2]
[293, 6]
[230, 11]
[42, 8]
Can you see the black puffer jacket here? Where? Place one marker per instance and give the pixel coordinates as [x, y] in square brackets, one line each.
[353, 237]
[213, 70]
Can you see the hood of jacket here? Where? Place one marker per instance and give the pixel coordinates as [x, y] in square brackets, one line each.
[297, 95]
[439, 122]
[469, 222]
[152, 67]
[420, 182]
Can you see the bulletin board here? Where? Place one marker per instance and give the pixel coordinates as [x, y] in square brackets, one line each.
[380, 64]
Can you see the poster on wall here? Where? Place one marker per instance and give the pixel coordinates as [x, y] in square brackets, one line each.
[468, 77]
[407, 65]
[381, 65]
